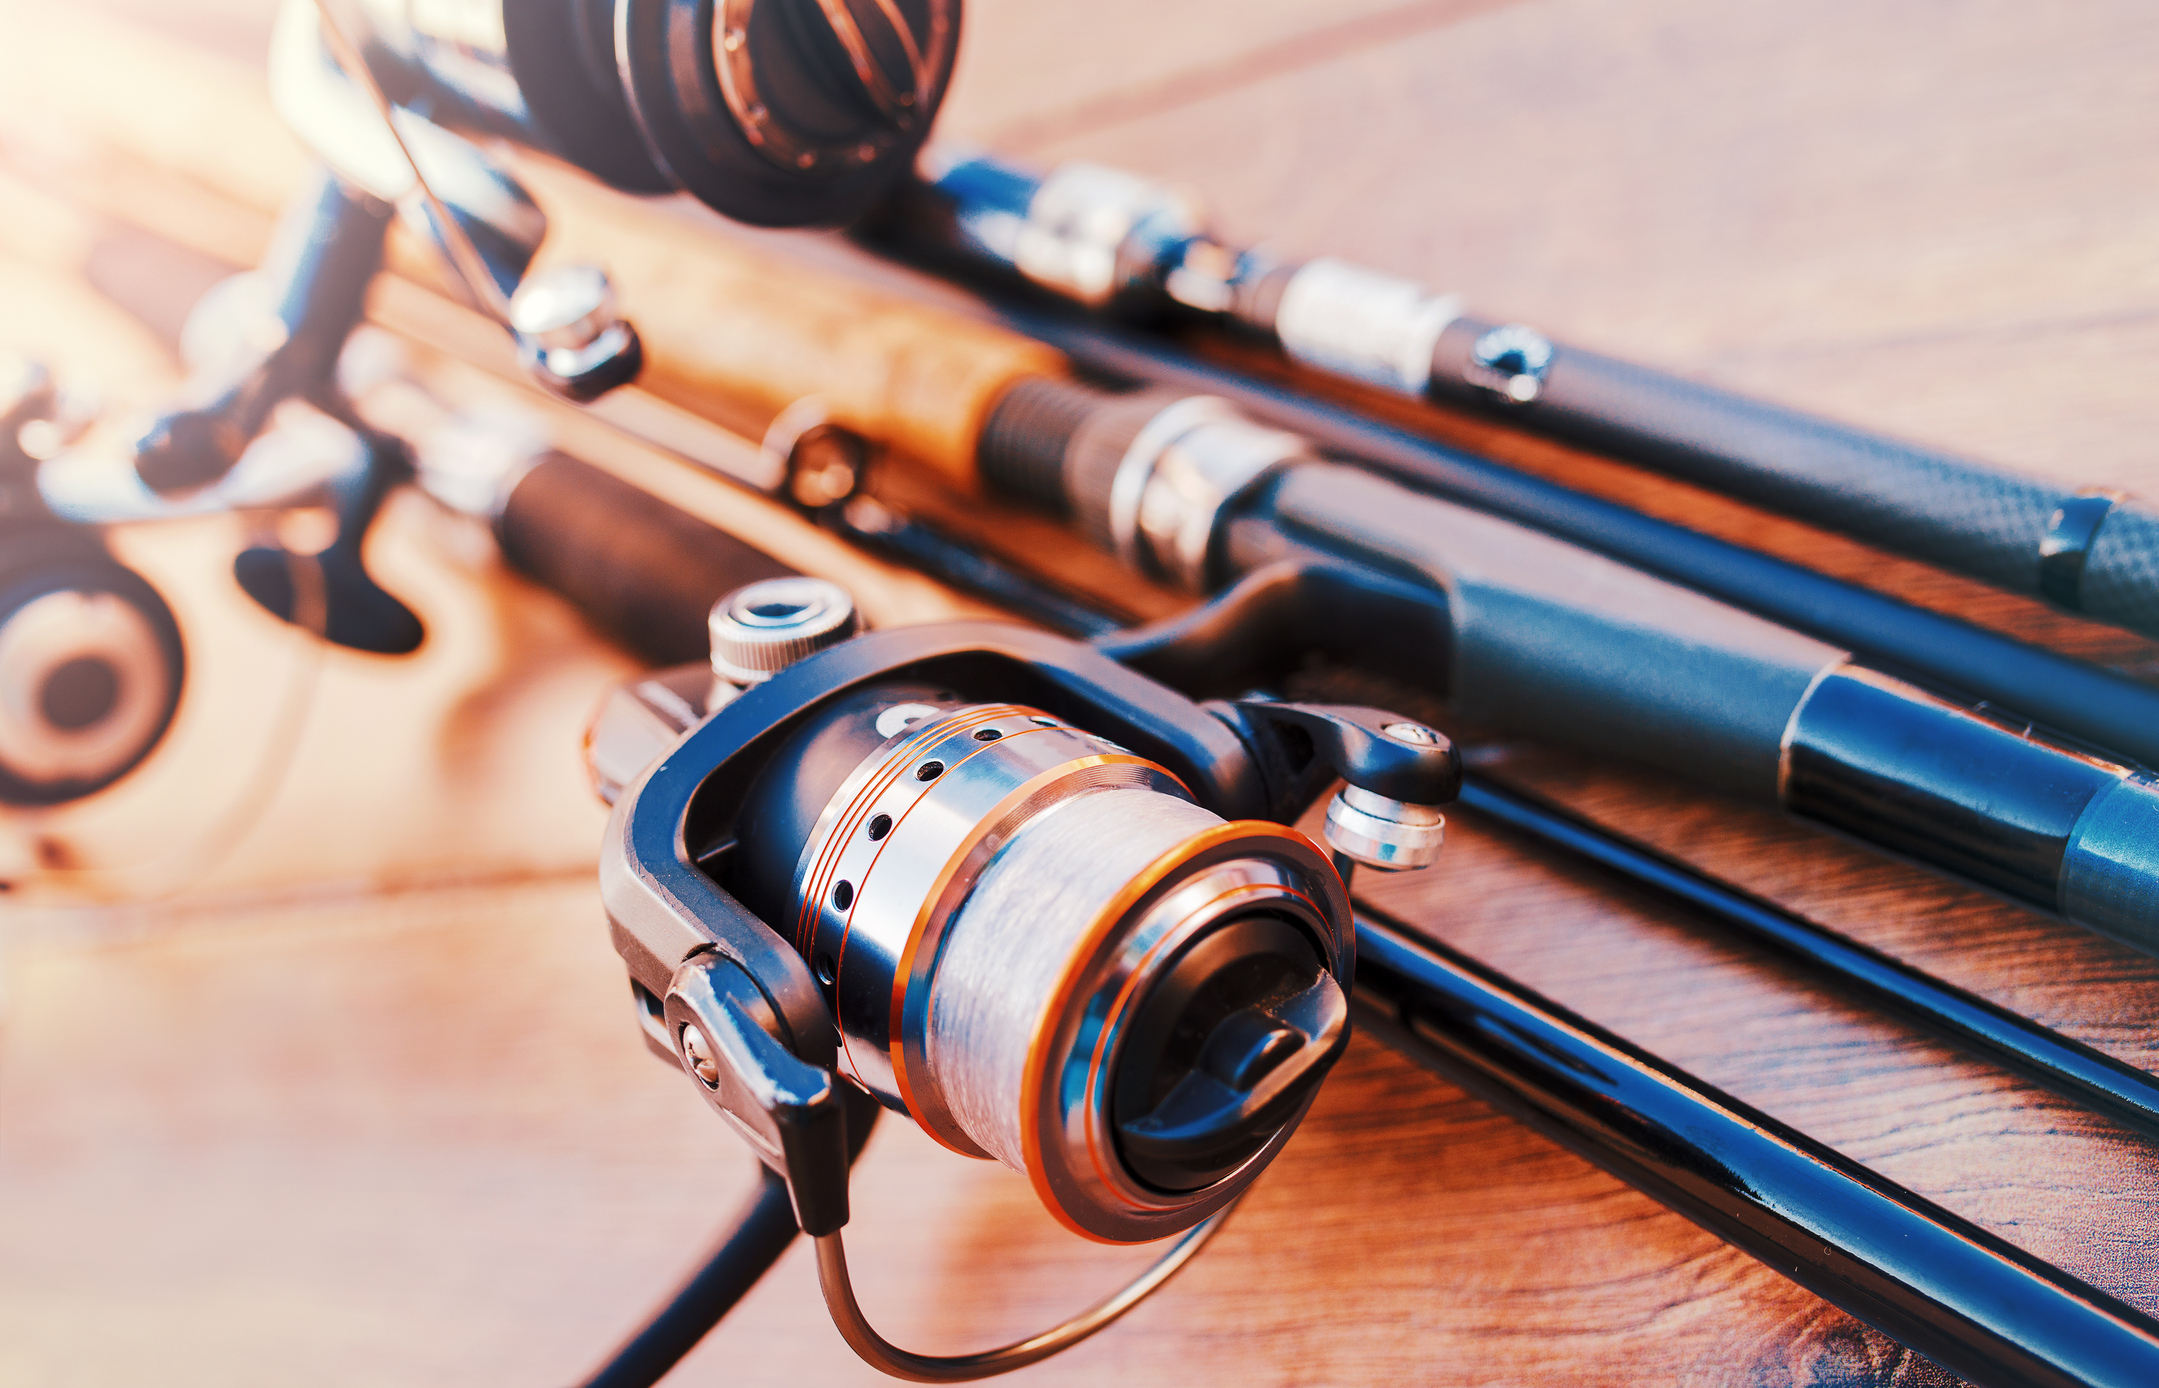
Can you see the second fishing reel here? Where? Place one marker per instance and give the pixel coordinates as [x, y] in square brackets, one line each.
[1047, 908]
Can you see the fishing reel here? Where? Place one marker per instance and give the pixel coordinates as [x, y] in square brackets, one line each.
[1047, 908]
[779, 113]
[91, 663]
[772, 112]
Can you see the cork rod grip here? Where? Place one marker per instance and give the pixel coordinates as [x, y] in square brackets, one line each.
[723, 323]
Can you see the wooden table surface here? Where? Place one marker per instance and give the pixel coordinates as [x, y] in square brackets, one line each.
[315, 1063]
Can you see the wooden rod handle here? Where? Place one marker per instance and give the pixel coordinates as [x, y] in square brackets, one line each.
[726, 325]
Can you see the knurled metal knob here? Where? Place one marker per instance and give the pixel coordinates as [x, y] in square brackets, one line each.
[762, 629]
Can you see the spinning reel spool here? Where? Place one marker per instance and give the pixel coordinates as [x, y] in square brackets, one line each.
[91, 662]
[1045, 907]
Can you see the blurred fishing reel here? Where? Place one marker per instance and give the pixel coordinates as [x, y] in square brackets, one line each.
[1045, 907]
[772, 112]
[91, 663]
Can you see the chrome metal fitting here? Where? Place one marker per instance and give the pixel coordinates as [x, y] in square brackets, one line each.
[992, 902]
[1382, 833]
[1357, 322]
[1180, 471]
[570, 333]
[1207, 273]
[1097, 234]
[760, 630]
[1510, 361]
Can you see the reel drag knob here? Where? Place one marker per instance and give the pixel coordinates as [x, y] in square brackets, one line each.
[760, 630]
[756, 631]
[91, 666]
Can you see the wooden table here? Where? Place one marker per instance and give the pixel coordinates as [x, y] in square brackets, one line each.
[354, 1097]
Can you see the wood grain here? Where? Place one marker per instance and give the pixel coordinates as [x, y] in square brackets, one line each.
[364, 1104]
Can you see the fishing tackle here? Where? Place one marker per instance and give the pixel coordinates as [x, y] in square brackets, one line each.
[1045, 907]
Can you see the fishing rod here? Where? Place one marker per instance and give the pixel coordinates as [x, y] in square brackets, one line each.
[698, 1058]
[641, 721]
[714, 309]
[1142, 250]
[1513, 626]
[1544, 637]
[1906, 1266]
[2088, 703]
[660, 572]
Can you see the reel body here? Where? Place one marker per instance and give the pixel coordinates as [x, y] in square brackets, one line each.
[773, 112]
[1037, 945]
[1044, 906]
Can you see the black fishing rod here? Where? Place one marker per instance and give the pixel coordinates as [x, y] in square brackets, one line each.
[1514, 628]
[2088, 703]
[1263, 628]
[1127, 246]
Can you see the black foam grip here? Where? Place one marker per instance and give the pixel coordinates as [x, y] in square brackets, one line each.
[641, 571]
[1951, 511]
[2120, 583]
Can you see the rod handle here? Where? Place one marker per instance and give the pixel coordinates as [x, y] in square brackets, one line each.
[730, 331]
[643, 572]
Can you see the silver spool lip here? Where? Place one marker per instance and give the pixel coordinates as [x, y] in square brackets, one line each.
[877, 943]
[897, 905]
[759, 630]
[1213, 879]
